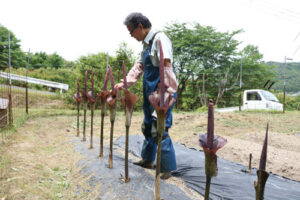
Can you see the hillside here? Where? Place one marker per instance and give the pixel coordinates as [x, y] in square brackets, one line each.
[292, 76]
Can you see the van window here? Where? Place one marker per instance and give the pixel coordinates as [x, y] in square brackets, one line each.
[269, 96]
[253, 96]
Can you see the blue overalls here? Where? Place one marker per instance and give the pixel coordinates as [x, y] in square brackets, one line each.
[150, 82]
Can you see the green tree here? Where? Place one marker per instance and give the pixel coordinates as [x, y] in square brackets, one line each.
[43, 60]
[55, 61]
[38, 60]
[198, 51]
[18, 57]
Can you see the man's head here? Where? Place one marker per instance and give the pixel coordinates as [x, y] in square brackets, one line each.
[138, 25]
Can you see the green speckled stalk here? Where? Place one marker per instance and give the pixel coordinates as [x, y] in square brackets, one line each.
[92, 125]
[161, 118]
[262, 177]
[112, 121]
[101, 131]
[211, 170]
[84, 121]
[78, 113]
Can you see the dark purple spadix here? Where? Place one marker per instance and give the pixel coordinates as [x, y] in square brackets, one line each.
[105, 81]
[210, 125]
[92, 78]
[124, 75]
[263, 157]
[162, 76]
[78, 88]
[111, 79]
[85, 81]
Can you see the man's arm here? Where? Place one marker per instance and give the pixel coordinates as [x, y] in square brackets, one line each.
[133, 75]
[170, 78]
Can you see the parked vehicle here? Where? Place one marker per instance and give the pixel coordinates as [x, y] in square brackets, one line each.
[260, 99]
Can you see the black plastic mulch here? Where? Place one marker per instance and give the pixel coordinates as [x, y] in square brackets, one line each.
[232, 181]
[108, 182]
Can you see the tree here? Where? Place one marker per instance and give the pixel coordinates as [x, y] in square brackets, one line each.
[55, 61]
[199, 50]
[18, 57]
[43, 60]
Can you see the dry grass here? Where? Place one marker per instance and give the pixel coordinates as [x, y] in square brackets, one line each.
[38, 162]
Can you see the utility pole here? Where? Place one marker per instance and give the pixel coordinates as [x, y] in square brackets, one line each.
[9, 58]
[284, 77]
[241, 68]
[27, 68]
[10, 114]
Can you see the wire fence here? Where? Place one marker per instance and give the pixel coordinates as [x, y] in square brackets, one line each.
[19, 98]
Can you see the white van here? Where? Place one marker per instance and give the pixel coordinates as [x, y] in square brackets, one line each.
[260, 99]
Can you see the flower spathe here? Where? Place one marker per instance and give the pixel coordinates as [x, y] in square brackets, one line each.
[129, 99]
[155, 99]
[77, 96]
[218, 143]
[114, 93]
[104, 93]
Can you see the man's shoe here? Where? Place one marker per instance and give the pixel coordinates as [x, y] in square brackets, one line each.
[165, 175]
[144, 164]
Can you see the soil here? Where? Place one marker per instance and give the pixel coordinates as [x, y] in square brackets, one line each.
[283, 155]
[39, 162]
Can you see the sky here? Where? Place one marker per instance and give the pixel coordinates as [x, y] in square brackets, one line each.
[74, 28]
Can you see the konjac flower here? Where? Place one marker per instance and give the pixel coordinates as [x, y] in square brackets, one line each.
[210, 144]
[112, 105]
[103, 96]
[84, 95]
[161, 101]
[77, 95]
[128, 102]
[262, 175]
[92, 100]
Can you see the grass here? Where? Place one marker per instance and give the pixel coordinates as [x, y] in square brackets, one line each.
[37, 162]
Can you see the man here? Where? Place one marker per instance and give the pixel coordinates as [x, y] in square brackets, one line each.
[139, 27]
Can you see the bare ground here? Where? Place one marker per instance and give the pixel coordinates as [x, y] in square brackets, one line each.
[39, 162]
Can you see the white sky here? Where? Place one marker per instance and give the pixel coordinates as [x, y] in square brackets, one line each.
[73, 28]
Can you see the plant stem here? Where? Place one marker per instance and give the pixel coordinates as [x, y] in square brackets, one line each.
[126, 155]
[84, 121]
[207, 187]
[92, 123]
[160, 130]
[110, 162]
[262, 177]
[78, 112]
[101, 133]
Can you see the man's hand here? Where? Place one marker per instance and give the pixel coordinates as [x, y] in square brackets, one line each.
[119, 86]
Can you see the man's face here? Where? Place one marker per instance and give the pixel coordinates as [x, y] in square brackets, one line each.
[136, 33]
